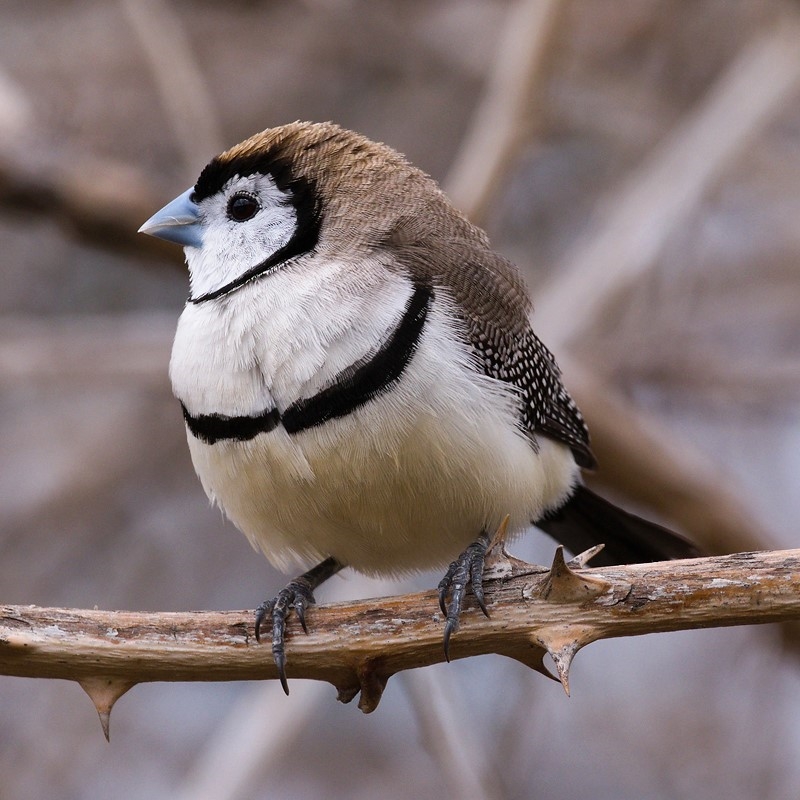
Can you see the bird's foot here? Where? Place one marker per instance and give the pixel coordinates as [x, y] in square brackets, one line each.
[297, 595]
[467, 569]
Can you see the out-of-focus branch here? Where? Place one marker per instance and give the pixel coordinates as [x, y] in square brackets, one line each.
[446, 733]
[359, 646]
[257, 732]
[666, 190]
[115, 348]
[660, 472]
[506, 115]
[179, 80]
[16, 110]
[251, 741]
[101, 203]
[772, 383]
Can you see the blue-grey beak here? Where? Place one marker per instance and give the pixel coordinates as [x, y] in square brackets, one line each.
[178, 221]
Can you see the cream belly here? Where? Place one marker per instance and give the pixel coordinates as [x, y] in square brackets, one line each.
[379, 507]
[402, 483]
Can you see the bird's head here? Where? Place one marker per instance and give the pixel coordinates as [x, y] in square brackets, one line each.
[283, 194]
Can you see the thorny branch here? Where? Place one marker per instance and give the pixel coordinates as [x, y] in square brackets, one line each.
[358, 646]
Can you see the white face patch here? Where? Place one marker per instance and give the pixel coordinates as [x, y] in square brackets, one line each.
[231, 247]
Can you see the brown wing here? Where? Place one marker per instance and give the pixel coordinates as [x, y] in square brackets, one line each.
[495, 305]
[523, 361]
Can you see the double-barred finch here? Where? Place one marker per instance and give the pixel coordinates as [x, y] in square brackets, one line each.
[359, 379]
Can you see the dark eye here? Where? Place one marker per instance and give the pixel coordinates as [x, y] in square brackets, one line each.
[242, 207]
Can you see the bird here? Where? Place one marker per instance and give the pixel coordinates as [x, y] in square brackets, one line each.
[359, 379]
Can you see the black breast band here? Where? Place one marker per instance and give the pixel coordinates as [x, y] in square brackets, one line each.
[353, 387]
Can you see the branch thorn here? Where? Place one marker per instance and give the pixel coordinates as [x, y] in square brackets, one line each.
[562, 658]
[372, 682]
[530, 653]
[562, 642]
[499, 538]
[582, 559]
[564, 585]
[104, 692]
[499, 564]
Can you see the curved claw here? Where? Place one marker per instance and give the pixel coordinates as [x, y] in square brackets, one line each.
[444, 586]
[279, 653]
[296, 595]
[261, 614]
[476, 580]
[300, 604]
[453, 614]
[449, 628]
[466, 570]
[280, 663]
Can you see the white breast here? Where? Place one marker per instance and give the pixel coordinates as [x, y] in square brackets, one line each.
[405, 481]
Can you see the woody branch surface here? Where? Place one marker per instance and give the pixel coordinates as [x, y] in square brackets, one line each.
[357, 646]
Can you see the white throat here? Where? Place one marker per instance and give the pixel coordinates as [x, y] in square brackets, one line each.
[230, 248]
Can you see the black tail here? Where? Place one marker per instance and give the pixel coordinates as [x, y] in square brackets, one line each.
[587, 519]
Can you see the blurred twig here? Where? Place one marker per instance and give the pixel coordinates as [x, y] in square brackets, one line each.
[665, 191]
[115, 348]
[16, 110]
[254, 737]
[449, 736]
[635, 455]
[85, 443]
[256, 734]
[662, 472]
[752, 382]
[184, 95]
[101, 203]
[505, 118]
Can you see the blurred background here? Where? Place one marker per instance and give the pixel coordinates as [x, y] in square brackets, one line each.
[640, 161]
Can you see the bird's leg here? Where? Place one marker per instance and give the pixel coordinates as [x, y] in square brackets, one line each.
[298, 594]
[466, 569]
